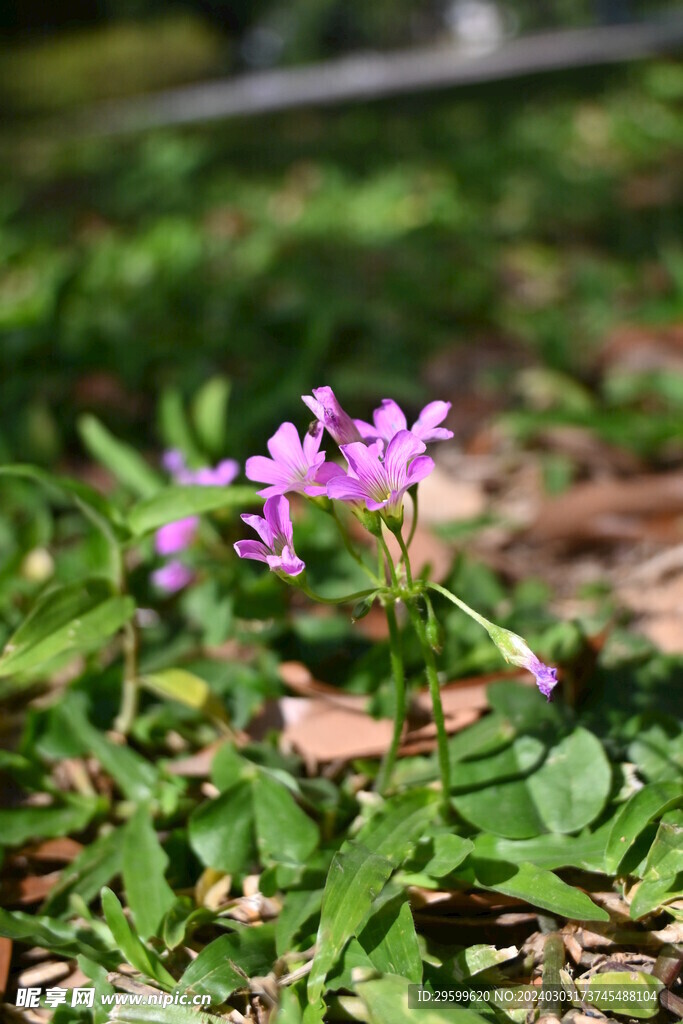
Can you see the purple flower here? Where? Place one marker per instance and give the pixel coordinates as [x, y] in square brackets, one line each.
[293, 466]
[516, 651]
[389, 419]
[177, 536]
[219, 476]
[325, 407]
[382, 484]
[173, 462]
[172, 577]
[276, 547]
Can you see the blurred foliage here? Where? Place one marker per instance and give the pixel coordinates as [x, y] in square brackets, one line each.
[353, 244]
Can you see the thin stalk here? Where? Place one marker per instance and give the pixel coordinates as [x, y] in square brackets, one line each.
[350, 548]
[413, 525]
[130, 695]
[435, 693]
[397, 670]
[405, 557]
[460, 604]
[346, 599]
[388, 560]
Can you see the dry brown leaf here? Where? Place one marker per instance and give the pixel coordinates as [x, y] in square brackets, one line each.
[5, 961]
[645, 506]
[28, 889]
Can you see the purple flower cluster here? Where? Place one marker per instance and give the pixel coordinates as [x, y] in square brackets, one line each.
[175, 537]
[383, 460]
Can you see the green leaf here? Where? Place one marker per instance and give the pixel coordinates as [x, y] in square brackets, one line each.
[627, 981]
[386, 1000]
[175, 427]
[572, 786]
[126, 464]
[284, 832]
[104, 516]
[221, 967]
[658, 752]
[506, 809]
[449, 851]
[538, 887]
[69, 618]
[221, 831]
[515, 762]
[57, 936]
[148, 893]
[21, 824]
[299, 908]
[137, 955]
[209, 413]
[476, 959]
[649, 803]
[356, 877]
[550, 851]
[177, 502]
[136, 777]
[389, 939]
[663, 869]
[566, 792]
[172, 1014]
[395, 828]
[187, 688]
[93, 868]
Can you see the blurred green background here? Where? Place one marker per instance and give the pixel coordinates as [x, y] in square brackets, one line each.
[423, 246]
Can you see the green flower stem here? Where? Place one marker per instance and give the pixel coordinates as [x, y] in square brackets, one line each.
[405, 557]
[130, 696]
[413, 526]
[435, 693]
[389, 562]
[346, 599]
[396, 656]
[349, 546]
[461, 604]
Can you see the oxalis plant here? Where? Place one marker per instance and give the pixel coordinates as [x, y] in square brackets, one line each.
[385, 461]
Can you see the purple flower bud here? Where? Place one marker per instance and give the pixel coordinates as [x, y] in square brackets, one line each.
[325, 407]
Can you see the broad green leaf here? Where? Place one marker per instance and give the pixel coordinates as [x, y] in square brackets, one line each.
[187, 688]
[476, 959]
[549, 851]
[356, 877]
[137, 955]
[506, 809]
[21, 824]
[85, 876]
[640, 997]
[209, 413]
[658, 754]
[299, 907]
[148, 893]
[538, 887]
[136, 777]
[449, 851]
[642, 808]
[386, 1000]
[663, 875]
[551, 798]
[69, 618]
[395, 828]
[283, 831]
[177, 502]
[126, 464]
[171, 1014]
[227, 963]
[101, 513]
[571, 787]
[228, 767]
[515, 762]
[389, 939]
[221, 831]
[175, 428]
[57, 936]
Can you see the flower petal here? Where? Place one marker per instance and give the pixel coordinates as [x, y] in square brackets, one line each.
[418, 469]
[389, 419]
[346, 488]
[312, 439]
[172, 577]
[429, 419]
[327, 409]
[265, 470]
[252, 549]
[403, 447]
[174, 537]
[276, 511]
[287, 562]
[285, 446]
[259, 524]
